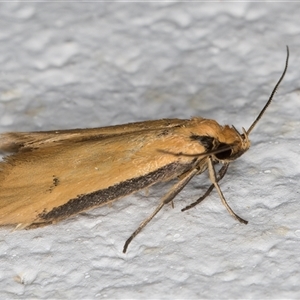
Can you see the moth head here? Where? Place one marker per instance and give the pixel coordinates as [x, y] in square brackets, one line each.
[222, 143]
[231, 145]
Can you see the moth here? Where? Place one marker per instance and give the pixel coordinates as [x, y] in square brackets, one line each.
[48, 176]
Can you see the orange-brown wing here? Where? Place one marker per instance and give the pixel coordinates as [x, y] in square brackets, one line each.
[13, 141]
[37, 179]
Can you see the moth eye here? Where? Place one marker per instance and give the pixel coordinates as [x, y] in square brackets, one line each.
[224, 154]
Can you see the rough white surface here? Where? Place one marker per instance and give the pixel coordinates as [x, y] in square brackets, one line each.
[66, 65]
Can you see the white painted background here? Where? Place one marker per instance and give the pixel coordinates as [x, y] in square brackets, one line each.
[66, 65]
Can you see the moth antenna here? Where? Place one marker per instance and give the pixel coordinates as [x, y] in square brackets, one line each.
[273, 92]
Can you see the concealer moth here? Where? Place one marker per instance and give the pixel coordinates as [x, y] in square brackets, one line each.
[48, 176]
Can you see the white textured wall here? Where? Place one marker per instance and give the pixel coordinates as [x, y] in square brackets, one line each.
[66, 65]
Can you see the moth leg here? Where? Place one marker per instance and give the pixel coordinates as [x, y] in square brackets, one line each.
[212, 176]
[165, 200]
[221, 174]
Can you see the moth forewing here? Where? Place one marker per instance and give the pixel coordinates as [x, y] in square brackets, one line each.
[51, 175]
[43, 182]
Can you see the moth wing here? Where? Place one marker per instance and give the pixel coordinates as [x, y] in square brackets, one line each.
[39, 179]
[14, 141]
